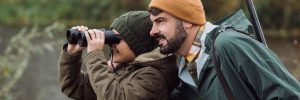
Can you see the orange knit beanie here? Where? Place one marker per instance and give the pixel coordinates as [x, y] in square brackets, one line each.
[188, 10]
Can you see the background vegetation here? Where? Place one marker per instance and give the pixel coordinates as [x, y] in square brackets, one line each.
[34, 29]
[273, 14]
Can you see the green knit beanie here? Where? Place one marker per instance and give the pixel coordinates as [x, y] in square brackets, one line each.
[134, 27]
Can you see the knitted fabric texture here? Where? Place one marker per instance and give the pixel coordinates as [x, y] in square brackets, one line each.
[134, 27]
[188, 10]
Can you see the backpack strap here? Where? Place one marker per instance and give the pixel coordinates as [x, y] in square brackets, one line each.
[225, 86]
[219, 73]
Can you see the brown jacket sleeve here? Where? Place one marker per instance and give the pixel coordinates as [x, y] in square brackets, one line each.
[73, 82]
[140, 85]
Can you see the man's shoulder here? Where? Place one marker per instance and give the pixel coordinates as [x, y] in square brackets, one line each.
[231, 36]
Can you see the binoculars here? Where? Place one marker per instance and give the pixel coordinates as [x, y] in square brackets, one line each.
[75, 36]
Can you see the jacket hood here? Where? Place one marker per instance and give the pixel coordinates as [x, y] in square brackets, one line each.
[165, 64]
[149, 56]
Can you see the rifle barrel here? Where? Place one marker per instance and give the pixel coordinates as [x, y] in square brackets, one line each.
[255, 22]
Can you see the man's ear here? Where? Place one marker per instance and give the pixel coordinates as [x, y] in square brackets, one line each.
[187, 25]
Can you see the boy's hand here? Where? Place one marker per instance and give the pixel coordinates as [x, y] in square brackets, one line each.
[95, 40]
[75, 48]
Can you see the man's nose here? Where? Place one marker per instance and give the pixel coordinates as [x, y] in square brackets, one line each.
[154, 31]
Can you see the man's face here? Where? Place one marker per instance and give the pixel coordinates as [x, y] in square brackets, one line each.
[168, 31]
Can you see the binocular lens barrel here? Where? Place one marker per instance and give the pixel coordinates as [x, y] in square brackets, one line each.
[77, 37]
[72, 35]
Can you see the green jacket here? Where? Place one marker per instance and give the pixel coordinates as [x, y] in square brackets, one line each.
[144, 79]
[251, 70]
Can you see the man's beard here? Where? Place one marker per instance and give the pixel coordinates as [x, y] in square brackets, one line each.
[175, 43]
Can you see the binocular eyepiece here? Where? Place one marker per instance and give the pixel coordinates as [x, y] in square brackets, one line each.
[75, 36]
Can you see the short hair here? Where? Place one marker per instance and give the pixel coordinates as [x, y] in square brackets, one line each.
[154, 11]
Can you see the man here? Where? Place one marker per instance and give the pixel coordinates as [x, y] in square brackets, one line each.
[138, 75]
[249, 69]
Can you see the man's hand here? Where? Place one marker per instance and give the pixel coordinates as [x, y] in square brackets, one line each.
[75, 48]
[95, 40]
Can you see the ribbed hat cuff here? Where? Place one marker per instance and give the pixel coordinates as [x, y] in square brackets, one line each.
[125, 34]
[180, 10]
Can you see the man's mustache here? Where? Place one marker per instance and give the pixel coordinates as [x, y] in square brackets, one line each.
[159, 36]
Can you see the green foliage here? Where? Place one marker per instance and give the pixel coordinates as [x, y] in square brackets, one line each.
[70, 12]
[274, 15]
[20, 49]
[100, 13]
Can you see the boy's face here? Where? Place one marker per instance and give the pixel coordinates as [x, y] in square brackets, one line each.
[168, 31]
[121, 52]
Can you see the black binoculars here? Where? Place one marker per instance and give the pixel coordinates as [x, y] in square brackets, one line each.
[75, 36]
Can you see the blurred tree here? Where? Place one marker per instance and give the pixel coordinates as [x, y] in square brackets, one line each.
[19, 51]
[72, 12]
[216, 9]
[273, 14]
